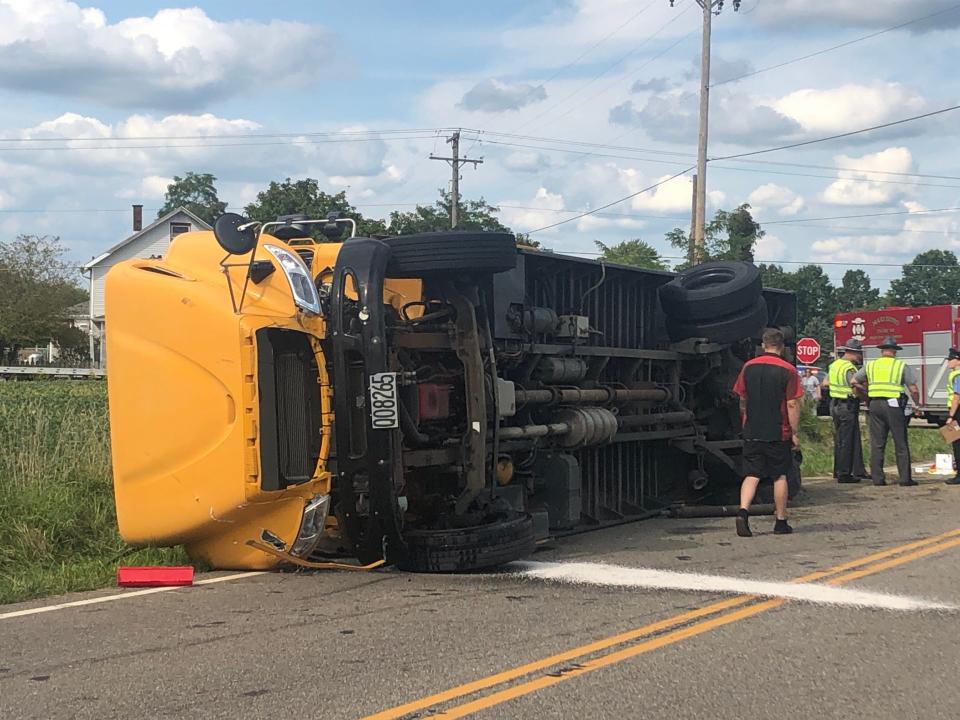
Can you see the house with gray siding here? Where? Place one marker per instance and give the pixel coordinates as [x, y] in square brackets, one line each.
[146, 242]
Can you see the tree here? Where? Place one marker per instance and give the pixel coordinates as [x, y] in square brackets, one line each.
[305, 197]
[729, 236]
[197, 193]
[36, 287]
[774, 276]
[931, 278]
[471, 215]
[632, 252]
[816, 298]
[856, 292]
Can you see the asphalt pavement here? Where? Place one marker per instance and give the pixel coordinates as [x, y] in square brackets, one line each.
[394, 645]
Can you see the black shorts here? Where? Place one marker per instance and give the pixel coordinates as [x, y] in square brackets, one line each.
[767, 460]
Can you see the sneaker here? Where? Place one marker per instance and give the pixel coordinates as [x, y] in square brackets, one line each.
[743, 524]
[952, 481]
[848, 479]
[781, 527]
[908, 483]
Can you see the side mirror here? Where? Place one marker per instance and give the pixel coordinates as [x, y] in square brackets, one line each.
[235, 234]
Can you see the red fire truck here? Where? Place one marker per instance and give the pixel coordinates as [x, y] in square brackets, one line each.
[925, 333]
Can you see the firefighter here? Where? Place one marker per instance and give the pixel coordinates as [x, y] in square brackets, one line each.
[845, 411]
[884, 380]
[953, 405]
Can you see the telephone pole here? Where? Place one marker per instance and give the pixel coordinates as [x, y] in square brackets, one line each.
[710, 8]
[456, 162]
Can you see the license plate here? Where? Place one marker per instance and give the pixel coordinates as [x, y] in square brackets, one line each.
[384, 411]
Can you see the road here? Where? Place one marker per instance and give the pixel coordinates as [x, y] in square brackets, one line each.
[392, 645]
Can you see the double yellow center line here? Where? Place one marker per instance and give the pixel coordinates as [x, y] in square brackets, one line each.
[591, 657]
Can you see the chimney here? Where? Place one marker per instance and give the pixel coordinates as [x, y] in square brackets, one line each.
[137, 218]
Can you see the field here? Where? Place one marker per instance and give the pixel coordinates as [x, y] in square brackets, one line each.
[57, 520]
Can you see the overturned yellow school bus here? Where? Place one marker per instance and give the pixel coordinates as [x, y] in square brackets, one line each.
[439, 400]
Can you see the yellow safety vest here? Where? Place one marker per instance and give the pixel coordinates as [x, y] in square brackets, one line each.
[950, 376]
[839, 387]
[885, 377]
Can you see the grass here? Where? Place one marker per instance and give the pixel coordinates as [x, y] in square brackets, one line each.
[58, 529]
[816, 438]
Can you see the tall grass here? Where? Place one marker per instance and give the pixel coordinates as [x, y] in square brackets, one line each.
[57, 518]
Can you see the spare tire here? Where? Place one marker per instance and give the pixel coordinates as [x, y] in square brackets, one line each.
[740, 325]
[473, 548]
[711, 290]
[425, 254]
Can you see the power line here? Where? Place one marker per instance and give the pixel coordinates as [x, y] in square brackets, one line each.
[610, 85]
[631, 216]
[132, 138]
[841, 135]
[863, 215]
[675, 163]
[791, 262]
[839, 168]
[836, 47]
[615, 202]
[201, 146]
[607, 69]
[690, 154]
[598, 43]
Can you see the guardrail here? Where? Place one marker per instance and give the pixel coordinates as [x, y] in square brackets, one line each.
[37, 371]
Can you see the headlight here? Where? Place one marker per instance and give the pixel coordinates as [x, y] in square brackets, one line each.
[304, 291]
[311, 527]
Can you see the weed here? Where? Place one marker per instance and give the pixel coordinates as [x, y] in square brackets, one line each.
[816, 437]
[58, 527]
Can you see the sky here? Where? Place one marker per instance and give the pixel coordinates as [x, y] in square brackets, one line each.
[571, 104]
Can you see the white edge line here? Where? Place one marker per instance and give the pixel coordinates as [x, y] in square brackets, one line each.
[124, 595]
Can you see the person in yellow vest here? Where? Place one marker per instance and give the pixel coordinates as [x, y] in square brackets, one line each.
[845, 411]
[953, 405]
[884, 380]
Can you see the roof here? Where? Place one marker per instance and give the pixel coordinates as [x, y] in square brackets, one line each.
[159, 221]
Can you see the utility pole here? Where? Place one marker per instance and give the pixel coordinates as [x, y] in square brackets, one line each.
[456, 162]
[710, 7]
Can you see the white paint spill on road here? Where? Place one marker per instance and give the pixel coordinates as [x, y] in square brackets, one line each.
[578, 573]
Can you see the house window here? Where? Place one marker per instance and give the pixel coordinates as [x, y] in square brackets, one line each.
[178, 228]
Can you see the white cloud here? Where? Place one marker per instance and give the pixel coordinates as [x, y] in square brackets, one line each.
[881, 13]
[527, 161]
[657, 84]
[918, 232]
[178, 58]
[493, 96]
[150, 187]
[673, 196]
[289, 156]
[862, 187]
[674, 117]
[529, 214]
[850, 107]
[579, 25]
[775, 197]
[769, 247]
[750, 119]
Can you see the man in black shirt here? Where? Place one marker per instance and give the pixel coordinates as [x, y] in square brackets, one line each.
[769, 391]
